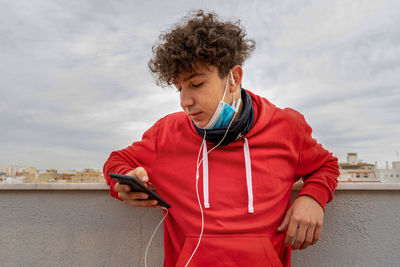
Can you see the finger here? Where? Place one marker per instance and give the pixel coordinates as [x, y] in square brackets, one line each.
[293, 224]
[317, 233]
[137, 195]
[310, 236]
[122, 188]
[141, 174]
[301, 235]
[133, 195]
[285, 222]
[141, 203]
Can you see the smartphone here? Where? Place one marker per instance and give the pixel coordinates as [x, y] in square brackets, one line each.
[137, 186]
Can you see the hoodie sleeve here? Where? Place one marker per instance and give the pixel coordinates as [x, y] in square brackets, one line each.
[140, 154]
[317, 166]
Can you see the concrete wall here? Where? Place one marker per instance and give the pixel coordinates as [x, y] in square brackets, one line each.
[89, 228]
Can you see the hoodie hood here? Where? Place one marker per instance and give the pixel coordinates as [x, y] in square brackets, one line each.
[263, 113]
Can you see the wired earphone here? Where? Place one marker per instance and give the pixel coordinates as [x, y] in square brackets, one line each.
[199, 161]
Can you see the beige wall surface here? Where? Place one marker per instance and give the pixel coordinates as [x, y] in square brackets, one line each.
[89, 228]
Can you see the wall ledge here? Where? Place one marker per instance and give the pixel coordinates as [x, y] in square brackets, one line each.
[100, 186]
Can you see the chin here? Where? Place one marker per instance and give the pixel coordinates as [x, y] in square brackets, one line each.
[199, 124]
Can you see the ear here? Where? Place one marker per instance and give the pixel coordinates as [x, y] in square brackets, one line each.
[237, 73]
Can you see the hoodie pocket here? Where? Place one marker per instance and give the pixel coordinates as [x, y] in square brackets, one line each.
[217, 250]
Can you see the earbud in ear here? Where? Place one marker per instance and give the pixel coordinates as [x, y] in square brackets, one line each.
[232, 80]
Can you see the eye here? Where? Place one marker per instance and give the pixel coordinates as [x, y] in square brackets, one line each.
[197, 85]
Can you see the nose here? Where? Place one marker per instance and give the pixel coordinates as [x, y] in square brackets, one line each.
[186, 98]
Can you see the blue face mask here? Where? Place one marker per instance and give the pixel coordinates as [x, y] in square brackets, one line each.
[224, 112]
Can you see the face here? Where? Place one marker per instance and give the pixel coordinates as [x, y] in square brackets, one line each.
[200, 93]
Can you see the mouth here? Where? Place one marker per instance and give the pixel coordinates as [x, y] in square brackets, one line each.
[194, 115]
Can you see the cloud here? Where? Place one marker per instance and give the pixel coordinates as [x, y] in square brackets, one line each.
[75, 84]
[337, 63]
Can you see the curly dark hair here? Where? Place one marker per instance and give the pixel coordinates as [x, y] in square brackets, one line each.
[201, 39]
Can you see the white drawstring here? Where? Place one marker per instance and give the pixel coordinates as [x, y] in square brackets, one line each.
[248, 176]
[205, 175]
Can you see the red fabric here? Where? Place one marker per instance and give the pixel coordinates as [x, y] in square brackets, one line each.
[281, 150]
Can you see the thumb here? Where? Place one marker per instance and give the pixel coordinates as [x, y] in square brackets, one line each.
[141, 174]
[285, 221]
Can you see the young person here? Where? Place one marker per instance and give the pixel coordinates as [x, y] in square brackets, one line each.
[228, 162]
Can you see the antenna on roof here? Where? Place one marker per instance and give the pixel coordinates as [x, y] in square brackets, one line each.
[397, 152]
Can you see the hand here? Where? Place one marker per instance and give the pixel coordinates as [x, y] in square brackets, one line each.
[136, 199]
[307, 215]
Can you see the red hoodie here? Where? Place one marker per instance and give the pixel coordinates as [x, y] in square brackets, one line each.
[244, 187]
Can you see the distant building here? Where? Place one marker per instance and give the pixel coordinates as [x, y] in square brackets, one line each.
[388, 175]
[88, 176]
[66, 176]
[11, 170]
[355, 170]
[13, 180]
[19, 174]
[31, 175]
[48, 176]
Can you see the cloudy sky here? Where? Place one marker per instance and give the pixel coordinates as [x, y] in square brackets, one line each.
[74, 82]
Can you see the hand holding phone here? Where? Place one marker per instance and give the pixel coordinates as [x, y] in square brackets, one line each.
[140, 174]
[134, 192]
